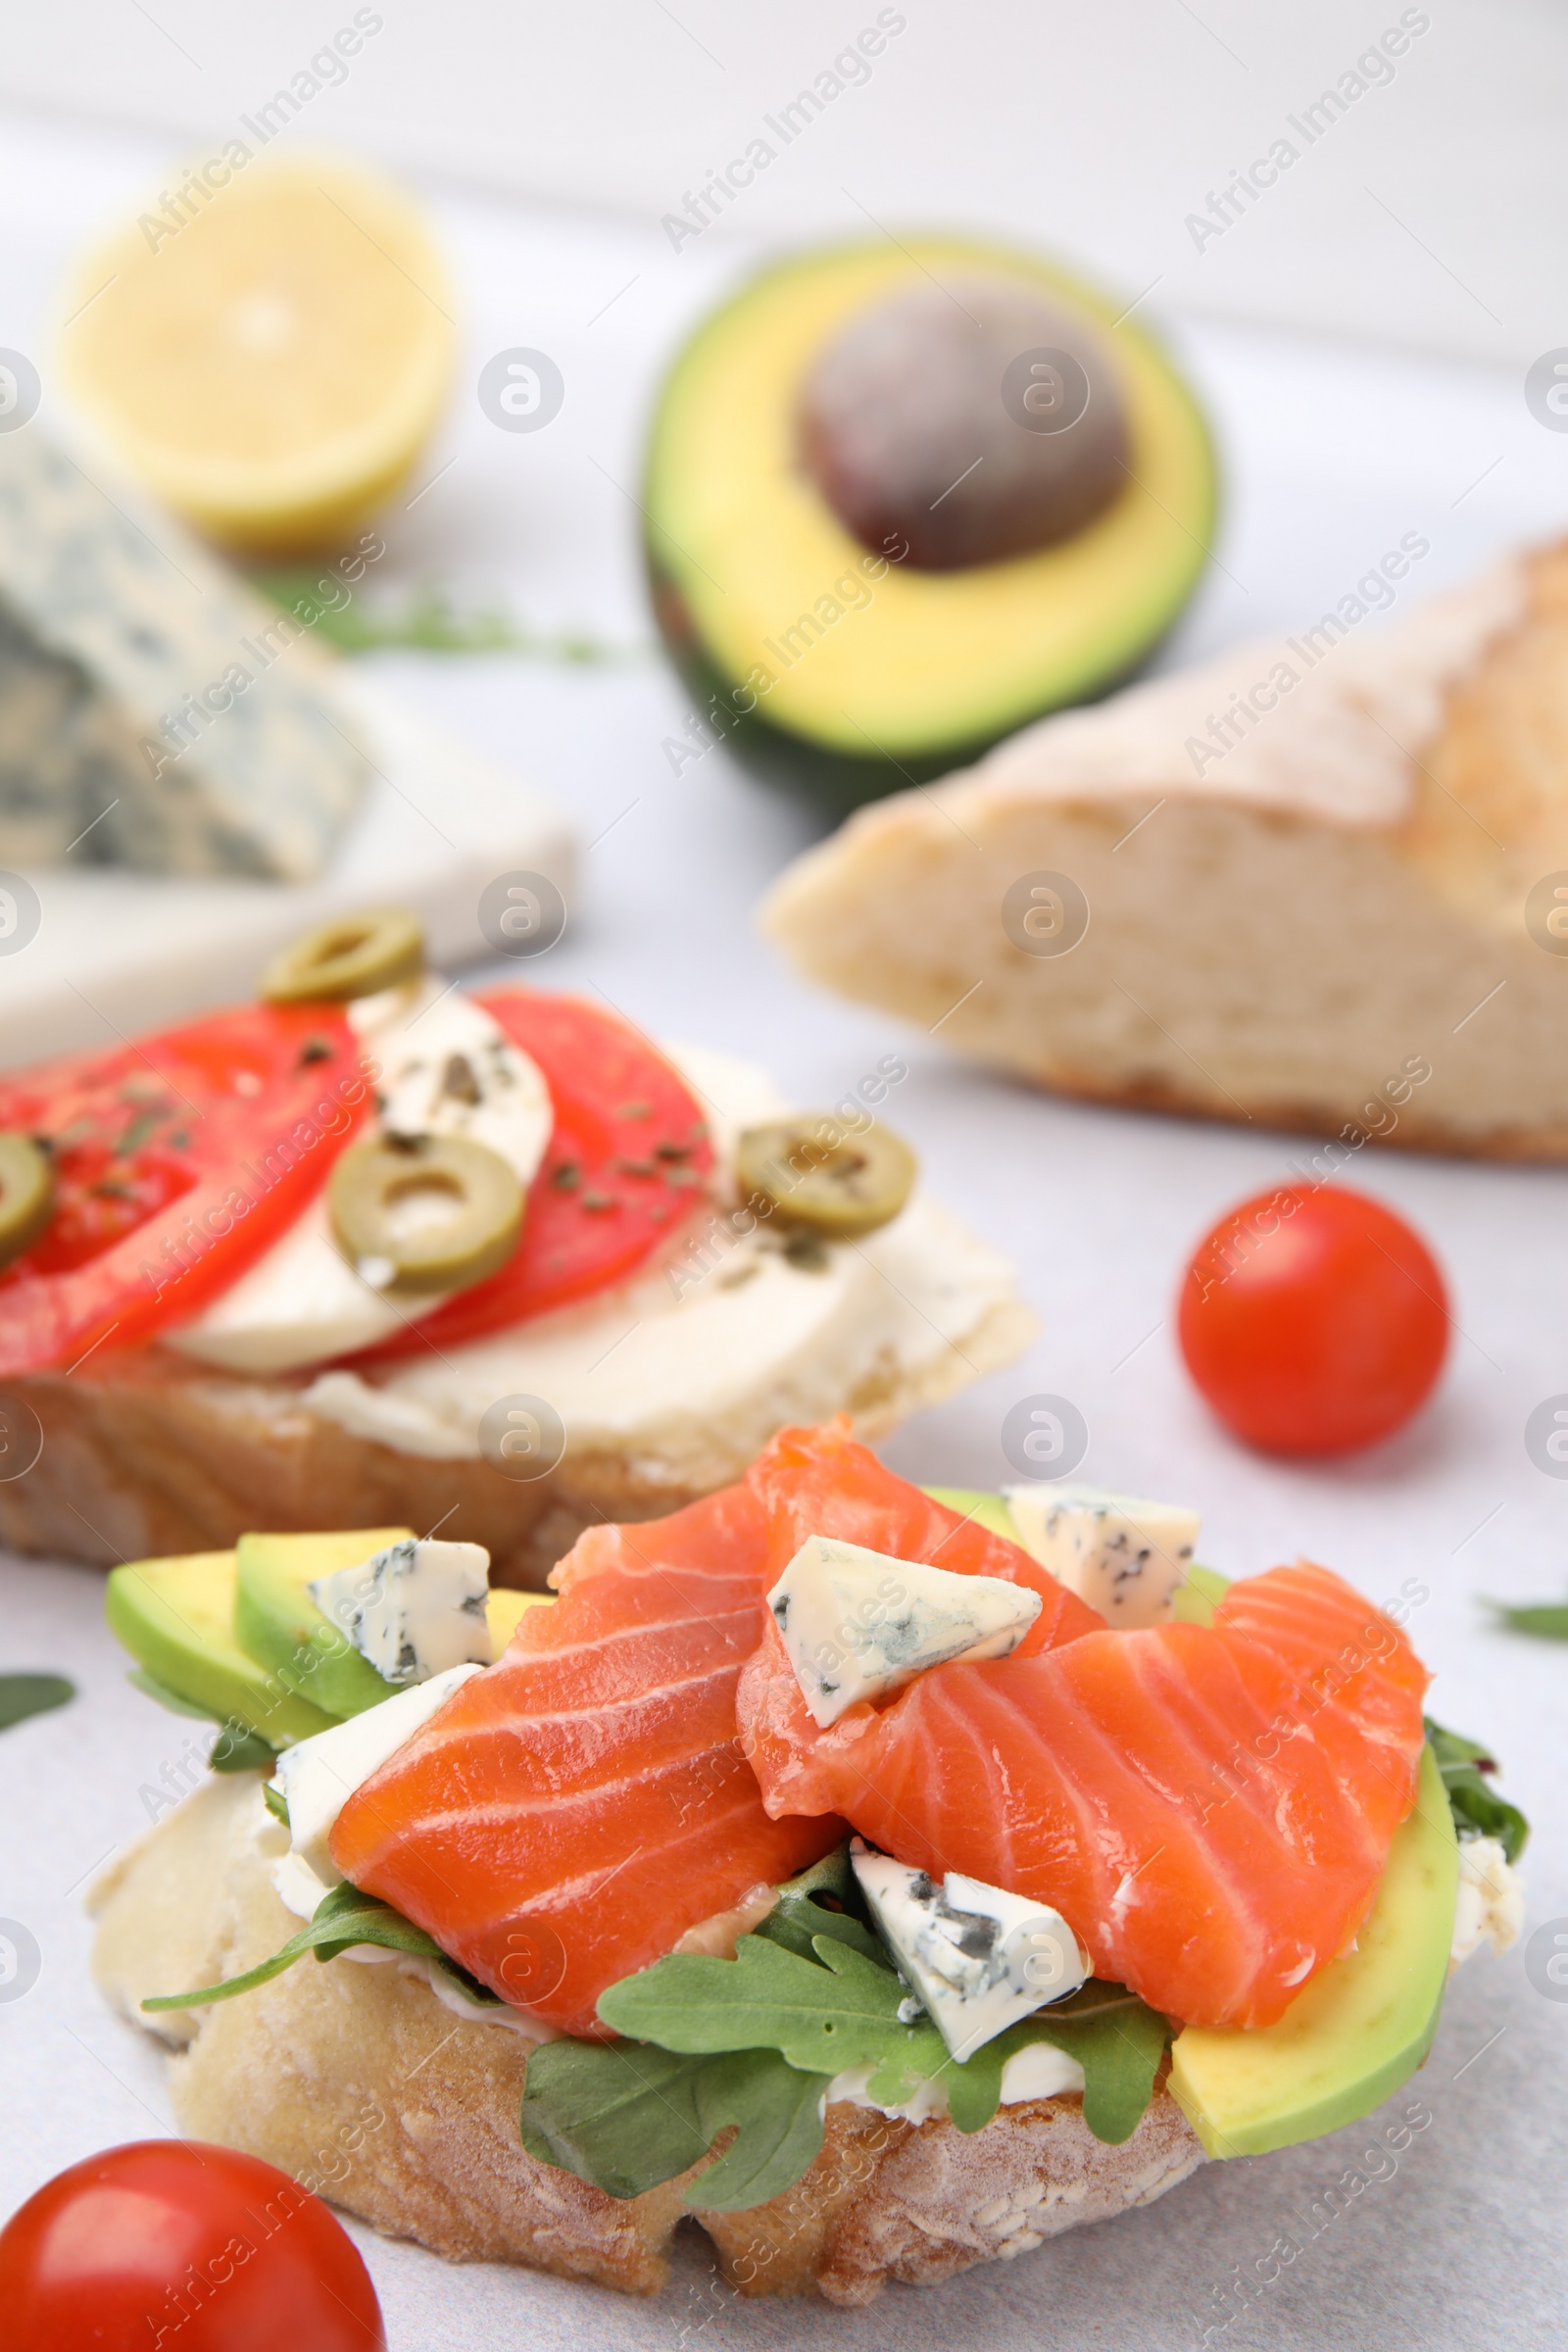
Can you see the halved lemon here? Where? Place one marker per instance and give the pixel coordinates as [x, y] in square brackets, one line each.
[270, 355]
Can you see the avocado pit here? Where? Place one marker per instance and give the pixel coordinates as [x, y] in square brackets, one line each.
[971, 424]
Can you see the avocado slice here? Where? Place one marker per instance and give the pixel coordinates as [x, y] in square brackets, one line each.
[1352, 2036]
[176, 1619]
[504, 1611]
[819, 662]
[988, 1511]
[279, 1623]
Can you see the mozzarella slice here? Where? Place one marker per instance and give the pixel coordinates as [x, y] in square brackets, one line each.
[318, 1776]
[858, 1623]
[446, 1068]
[979, 1958]
[413, 1609]
[1125, 1557]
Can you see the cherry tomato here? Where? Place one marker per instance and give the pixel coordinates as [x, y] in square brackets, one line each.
[1314, 1320]
[625, 1165]
[192, 2248]
[177, 1161]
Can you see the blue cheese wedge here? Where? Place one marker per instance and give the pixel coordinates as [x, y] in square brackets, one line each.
[317, 1776]
[414, 1609]
[1124, 1555]
[978, 1958]
[153, 710]
[857, 1623]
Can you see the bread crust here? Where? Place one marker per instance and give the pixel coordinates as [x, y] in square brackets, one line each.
[355, 2079]
[144, 1453]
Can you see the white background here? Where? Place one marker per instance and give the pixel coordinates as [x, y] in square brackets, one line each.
[1431, 215]
[1094, 131]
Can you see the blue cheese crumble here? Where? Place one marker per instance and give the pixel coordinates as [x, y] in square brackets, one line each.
[414, 1610]
[857, 1624]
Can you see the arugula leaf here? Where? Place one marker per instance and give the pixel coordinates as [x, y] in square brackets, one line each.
[824, 1900]
[1477, 1808]
[842, 2012]
[625, 2117]
[25, 1695]
[821, 2018]
[1547, 1619]
[1117, 2039]
[342, 1918]
[238, 1749]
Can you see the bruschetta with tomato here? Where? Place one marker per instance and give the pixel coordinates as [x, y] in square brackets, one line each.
[375, 1250]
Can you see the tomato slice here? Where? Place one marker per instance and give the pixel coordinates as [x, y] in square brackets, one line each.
[189, 2246]
[177, 1161]
[627, 1157]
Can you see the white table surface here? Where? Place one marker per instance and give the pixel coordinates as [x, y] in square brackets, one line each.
[1331, 455]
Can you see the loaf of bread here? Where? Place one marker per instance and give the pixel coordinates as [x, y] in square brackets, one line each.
[361, 2082]
[1318, 884]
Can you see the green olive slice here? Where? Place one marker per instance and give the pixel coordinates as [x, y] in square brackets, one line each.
[26, 1195]
[435, 1214]
[352, 956]
[814, 1172]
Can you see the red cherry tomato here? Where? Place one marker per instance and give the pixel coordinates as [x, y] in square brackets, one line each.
[192, 2248]
[1314, 1320]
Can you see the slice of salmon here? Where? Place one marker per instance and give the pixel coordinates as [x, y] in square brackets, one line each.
[1210, 1807]
[570, 1814]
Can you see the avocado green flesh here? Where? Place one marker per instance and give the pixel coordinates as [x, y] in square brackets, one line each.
[988, 1511]
[176, 1619]
[278, 1623]
[833, 668]
[1358, 2031]
[1365, 2023]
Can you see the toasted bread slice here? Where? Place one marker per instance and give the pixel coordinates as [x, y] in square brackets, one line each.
[145, 1453]
[1310, 885]
[357, 2081]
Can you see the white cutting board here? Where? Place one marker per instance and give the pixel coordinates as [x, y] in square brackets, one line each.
[119, 952]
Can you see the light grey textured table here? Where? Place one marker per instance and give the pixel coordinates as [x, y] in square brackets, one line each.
[1332, 454]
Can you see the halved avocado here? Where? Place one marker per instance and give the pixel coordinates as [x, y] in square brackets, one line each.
[819, 663]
